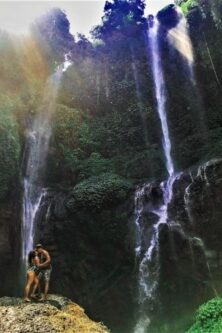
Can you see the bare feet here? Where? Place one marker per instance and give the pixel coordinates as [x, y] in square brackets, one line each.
[27, 299]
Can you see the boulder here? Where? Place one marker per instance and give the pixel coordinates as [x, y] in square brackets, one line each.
[57, 315]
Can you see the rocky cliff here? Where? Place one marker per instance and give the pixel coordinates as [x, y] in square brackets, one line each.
[189, 268]
[93, 258]
[93, 250]
[10, 223]
[58, 315]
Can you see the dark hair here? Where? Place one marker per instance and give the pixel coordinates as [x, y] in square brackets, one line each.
[31, 255]
[38, 246]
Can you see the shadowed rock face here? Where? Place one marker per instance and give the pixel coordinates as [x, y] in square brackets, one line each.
[190, 243]
[58, 315]
[93, 257]
[93, 251]
[196, 203]
[169, 16]
[9, 247]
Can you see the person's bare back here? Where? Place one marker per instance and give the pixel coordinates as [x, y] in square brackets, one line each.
[45, 268]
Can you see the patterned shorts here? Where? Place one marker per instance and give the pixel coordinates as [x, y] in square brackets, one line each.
[45, 274]
[32, 269]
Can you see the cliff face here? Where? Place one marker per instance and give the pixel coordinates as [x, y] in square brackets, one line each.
[93, 258]
[93, 250]
[9, 247]
[58, 315]
[196, 206]
[189, 244]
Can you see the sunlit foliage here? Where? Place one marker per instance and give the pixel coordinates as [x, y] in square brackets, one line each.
[208, 318]
[106, 119]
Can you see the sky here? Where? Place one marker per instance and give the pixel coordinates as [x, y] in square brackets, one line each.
[16, 16]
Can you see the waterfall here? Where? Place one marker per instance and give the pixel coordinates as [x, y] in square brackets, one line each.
[144, 289]
[187, 203]
[149, 261]
[204, 252]
[202, 175]
[180, 39]
[37, 143]
[160, 91]
[148, 273]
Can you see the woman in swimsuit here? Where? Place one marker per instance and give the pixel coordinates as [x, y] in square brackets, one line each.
[32, 275]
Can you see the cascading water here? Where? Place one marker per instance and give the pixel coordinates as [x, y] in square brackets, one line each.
[180, 40]
[149, 261]
[160, 91]
[202, 174]
[204, 251]
[37, 149]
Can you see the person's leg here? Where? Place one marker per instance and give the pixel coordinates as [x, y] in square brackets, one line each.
[40, 277]
[29, 281]
[47, 274]
[46, 289]
[36, 285]
[45, 286]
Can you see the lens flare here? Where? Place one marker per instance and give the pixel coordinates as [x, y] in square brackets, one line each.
[180, 39]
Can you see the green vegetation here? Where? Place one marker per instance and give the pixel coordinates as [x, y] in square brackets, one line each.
[187, 5]
[98, 192]
[208, 318]
[9, 149]
[105, 120]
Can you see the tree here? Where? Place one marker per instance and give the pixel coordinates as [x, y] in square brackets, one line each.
[121, 17]
[52, 32]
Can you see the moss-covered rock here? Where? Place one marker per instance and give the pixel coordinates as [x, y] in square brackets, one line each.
[9, 148]
[97, 192]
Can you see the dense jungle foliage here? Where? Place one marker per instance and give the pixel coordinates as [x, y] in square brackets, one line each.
[105, 121]
[208, 317]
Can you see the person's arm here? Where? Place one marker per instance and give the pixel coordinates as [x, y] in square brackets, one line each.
[48, 260]
[36, 261]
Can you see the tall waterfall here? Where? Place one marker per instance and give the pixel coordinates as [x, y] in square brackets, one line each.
[160, 91]
[37, 144]
[149, 260]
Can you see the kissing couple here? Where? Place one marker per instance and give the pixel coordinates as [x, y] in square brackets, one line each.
[39, 269]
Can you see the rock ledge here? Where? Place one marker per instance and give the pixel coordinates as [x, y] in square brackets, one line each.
[57, 315]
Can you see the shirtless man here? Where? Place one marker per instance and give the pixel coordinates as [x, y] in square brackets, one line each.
[44, 267]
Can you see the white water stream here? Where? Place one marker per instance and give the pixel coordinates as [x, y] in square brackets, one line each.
[149, 263]
[37, 145]
[160, 92]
